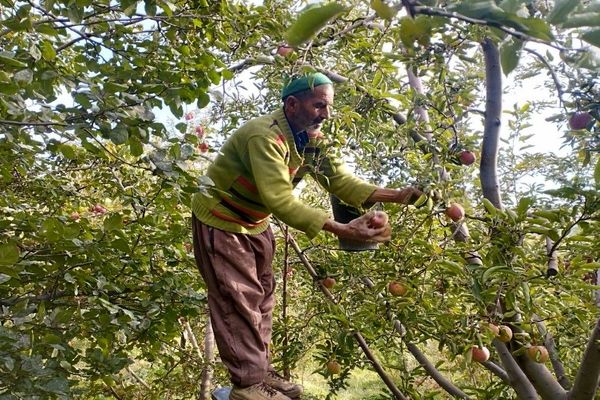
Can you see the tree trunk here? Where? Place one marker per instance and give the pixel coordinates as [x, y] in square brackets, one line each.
[209, 356]
[491, 133]
[588, 374]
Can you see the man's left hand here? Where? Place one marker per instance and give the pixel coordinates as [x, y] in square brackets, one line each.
[408, 195]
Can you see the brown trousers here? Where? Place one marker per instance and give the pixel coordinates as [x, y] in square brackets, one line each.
[239, 278]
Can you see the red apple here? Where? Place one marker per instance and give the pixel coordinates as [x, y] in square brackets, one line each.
[98, 209]
[538, 354]
[505, 334]
[333, 367]
[188, 247]
[285, 51]
[480, 354]
[203, 147]
[74, 216]
[580, 120]
[200, 131]
[189, 116]
[455, 211]
[328, 282]
[378, 220]
[397, 288]
[466, 157]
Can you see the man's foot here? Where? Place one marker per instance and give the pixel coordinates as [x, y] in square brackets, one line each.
[288, 388]
[260, 391]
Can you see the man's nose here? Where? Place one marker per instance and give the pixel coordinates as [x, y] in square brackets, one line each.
[326, 112]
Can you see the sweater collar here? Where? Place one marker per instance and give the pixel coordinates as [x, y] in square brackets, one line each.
[286, 129]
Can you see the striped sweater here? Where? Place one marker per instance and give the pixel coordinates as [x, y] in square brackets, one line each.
[256, 172]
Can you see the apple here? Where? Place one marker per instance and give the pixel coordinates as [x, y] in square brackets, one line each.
[538, 354]
[333, 367]
[200, 131]
[98, 209]
[378, 220]
[203, 147]
[505, 334]
[580, 120]
[455, 211]
[466, 157]
[328, 282]
[284, 50]
[494, 328]
[74, 216]
[397, 288]
[189, 116]
[480, 354]
[188, 247]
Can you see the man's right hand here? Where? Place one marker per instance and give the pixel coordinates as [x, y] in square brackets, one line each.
[360, 229]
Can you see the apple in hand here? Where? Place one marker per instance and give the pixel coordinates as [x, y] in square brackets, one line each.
[455, 211]
[466, 157]
[378, 220]
[480, 354]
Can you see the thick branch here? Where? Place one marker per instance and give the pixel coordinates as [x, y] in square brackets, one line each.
[552, 258]
[491, 133]
[588, 374]
[516, 377]
[543, 381]
[559, 369]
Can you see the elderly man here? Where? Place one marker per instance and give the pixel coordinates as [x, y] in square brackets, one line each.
[254, 175]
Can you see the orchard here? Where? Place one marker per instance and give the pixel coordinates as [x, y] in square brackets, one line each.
[111, 111]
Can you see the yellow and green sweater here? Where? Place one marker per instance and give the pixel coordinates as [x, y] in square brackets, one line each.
[256, 172]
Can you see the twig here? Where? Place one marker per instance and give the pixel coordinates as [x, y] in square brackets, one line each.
[559, 88]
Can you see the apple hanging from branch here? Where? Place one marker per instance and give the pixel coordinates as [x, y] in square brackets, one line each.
[480, 354]
[455, 212]
[580, 120]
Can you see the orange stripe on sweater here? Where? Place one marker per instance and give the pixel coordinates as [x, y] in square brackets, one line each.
[247, 184]
[280, 139]
[247, 211]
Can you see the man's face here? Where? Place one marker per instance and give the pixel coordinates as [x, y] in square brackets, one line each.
[311, 110]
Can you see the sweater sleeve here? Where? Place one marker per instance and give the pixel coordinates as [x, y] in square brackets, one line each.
[335, 176]
[272, 177]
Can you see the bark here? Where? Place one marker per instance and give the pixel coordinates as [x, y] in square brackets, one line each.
[516, 377]
[598, 290]
[491, 133]
[557, 365]
[588, 374]
[284, 296]
[552, 258]
[209, 356]
[542, 379]
[496, 370]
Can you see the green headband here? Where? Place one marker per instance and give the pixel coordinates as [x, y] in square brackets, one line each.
[305, 82]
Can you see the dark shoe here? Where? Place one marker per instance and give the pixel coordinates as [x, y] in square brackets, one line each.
[260, 391]
[286, 387]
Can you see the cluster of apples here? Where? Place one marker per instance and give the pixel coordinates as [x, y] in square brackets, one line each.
[503, 333]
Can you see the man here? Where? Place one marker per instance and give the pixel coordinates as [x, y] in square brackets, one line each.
[254, 176]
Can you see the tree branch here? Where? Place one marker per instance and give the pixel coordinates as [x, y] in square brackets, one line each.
[496, 370]
[559, 89]
[516, 377]
[557, 365]
[588, 374]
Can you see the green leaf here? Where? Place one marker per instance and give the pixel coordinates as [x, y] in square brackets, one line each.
[561, 10]
[9, 253]
[490, 208]
[310, 22]
[7, 60]
[135, 147]
[383, 10]
[583, 19]
[48, 52]
[597, 174]
[113, 223]
[119, 134]
[592, 37]
[510, 54]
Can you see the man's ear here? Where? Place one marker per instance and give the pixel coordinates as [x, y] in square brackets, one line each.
[291, 104]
